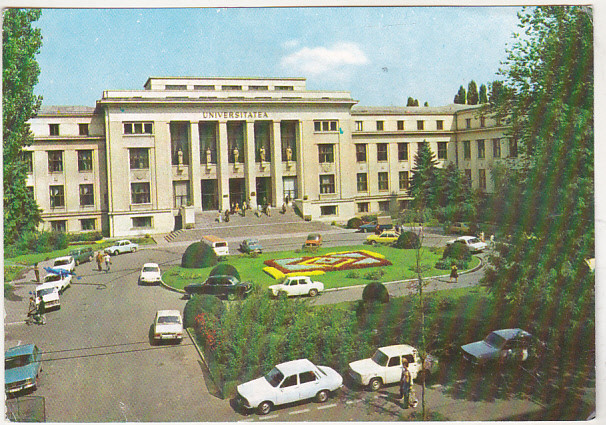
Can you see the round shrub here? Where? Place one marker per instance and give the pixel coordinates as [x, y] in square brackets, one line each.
[197, 256]
[446, 264]
[457, 251]
[225, 269]
[354, 223]
[202, 304]
[408, 240]
[375, 292]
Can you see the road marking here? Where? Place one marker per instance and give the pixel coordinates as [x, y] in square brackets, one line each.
[246, 420]
[296, 412]
[264, 418]
[327, 406]
[352, 401]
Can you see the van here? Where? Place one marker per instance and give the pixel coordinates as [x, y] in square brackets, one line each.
[218, 245]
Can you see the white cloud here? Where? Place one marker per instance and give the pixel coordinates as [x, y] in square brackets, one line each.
[290, 44]
[315, 61]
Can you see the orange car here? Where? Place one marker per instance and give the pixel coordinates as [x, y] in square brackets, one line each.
[313, 240]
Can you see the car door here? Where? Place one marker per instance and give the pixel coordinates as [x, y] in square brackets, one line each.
[302, 287]
[293, 287]
[288, 390]
[309, 385]
[414, 364]
[393, 370]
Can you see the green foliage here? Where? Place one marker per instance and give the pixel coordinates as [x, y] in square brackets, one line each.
[20, 44]
[457, 251]
[483, 94]
[201, 304]
[375, 292]
[198, 255]
[423, 185]
[225, 269]
[85, 237]
[408, 240]
[461, 96]
[40, 242]
[375, 274]
[353, 274]
[472, 93]
[354, 223]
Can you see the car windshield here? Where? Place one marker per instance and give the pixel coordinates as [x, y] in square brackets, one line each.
[380, 358]
[474, 240]
[45, 291]
[313, 237]
[494, 340]
[52, 278]
[61, 262]
[151, 269]
[274, 377]
[17, 361]
[169, 319]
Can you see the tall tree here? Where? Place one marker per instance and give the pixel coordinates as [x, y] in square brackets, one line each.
[410, 102]
[423, 185]
[454, 197]
[483, 94]
[472, 93]
[461, 96]
[21, 43]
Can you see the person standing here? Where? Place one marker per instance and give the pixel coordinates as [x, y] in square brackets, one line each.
[37, 272]
[108, 261]
[268, 210]
[405, 384]
[244, 207]
[99, 260]
[454, 273]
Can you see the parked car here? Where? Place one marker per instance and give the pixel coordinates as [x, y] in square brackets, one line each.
[474, 244]
[50, 294]
[65, 263]
[385, 366]
[168, 325]
[221, 286]
[286, 383]
[297, 285]
[82, 255]
[251, 245]
[22, 366]
[313, 240]
[150, 273]
[60, 281]
[384, 223]
[505, 345]
[386, 237]
[459, 228]
[122, 247]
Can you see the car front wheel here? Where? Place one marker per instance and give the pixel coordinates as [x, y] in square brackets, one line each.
[134, 250]
[373, 242]
[322, 396]
[77, 263]
[313, 292]
[375, 384]
[264, 408]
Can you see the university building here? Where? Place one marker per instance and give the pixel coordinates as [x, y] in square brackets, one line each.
[148, 161]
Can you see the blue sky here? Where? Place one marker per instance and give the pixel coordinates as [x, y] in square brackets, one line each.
[381, 55]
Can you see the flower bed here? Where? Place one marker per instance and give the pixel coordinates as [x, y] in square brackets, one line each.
[334, 261]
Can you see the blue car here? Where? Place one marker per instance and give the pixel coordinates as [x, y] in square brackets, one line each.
[251, 245]
[504, 346]
[22, 364]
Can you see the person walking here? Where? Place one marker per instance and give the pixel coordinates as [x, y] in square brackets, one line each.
[37, 272]
[491, 241]
[405, 384]
[99, 260]
[244, 207]
[227, 216]
[454, 273]
[108, 261]
[284, 208]
[268, 210]
[220, 217]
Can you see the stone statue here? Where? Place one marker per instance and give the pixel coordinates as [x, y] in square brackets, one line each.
[262, 153]
[208, 156]
[288, 153]
[236, 154]
[180, 157]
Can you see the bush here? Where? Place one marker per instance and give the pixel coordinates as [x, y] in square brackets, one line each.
[85, 237]
[354, 223]
[375, 292]
[457, 251]
[375, 274]
[225, 269]
[446, 264]
[353, 274]
[202, 304]
[408, 240]
[198, 255]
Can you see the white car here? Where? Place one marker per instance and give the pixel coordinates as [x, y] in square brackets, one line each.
[50, 294]
[66, 263]
[121, 247]
[168, 325]
[61, 282]
[297, 285]
[474, 244]
[385, 366]
[150, 273]
[286, 383]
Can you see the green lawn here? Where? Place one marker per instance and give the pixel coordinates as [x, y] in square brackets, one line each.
[251, 268]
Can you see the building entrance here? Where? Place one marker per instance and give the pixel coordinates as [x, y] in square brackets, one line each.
[209, 195]
[264, 191]
[290, 189]
[236, 191]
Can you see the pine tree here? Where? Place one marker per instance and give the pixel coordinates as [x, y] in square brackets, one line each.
[483, 95]
[426, 104]
[410, 102]
[461, 96]
[472, 93]
[423, 185]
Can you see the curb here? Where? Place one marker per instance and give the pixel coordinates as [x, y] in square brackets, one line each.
[201, 354]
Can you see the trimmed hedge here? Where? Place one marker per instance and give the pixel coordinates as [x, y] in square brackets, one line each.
[354, 223]
[198, 255]
[457, 251]
[225, 269]
[408, 240]
[198, 304]
[375, 292]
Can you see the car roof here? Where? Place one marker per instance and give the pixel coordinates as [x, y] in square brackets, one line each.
[465, 238]
[511, 333]
[313, 236]
[67, 257]
[19, 350]
[397, 350]
[249, 240]
[123, 240]
[46, 285]
[150, 265]
[296, 366]
[168, 313]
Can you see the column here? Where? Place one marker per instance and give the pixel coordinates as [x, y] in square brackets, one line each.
[250, 176]
[301, 189]
[223, 167]
[277, 190]
[194, 166]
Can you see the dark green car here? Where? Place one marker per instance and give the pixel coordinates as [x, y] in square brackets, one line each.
[82, 255]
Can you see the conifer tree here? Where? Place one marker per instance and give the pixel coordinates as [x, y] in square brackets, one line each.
[472, 93]
[423, 185]
[483, 94]
[461, 96]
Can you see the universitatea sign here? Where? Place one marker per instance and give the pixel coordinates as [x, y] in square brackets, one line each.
[235, 114]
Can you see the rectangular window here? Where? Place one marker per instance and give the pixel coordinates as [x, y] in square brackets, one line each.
[325, 126]
[360, 152]
[57, 197]
[420, 125]
[83, 129]
[139, 158]
[28, 156]
[59, 226]
[439, 125]
[142, 222]
[362, 182]
[496, 148]
[204, 87]
[55, 161]
[442, 150]
[231, 87]
[284, 88]
[207, 131]
[88, 224]
[328, 210]
[466, 149]
[382, 152]
[85, 160]
[380, 125]
[384, 205]
[87, 195]
[467, 122]
[481, 149]
[175, 87]
[327, 183]
[402, 151]
[181, 193]
[179, 142]
[482, 178]
[53, 129]
[363, 207]
[326, 153]
[258, 88]
[482, 121]
[468, 176]
[288, 135]
[513, 148]
[359, 126]
[383, 181]
[139, 193]
[400, 125]
[138, 128]
[404, 181]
